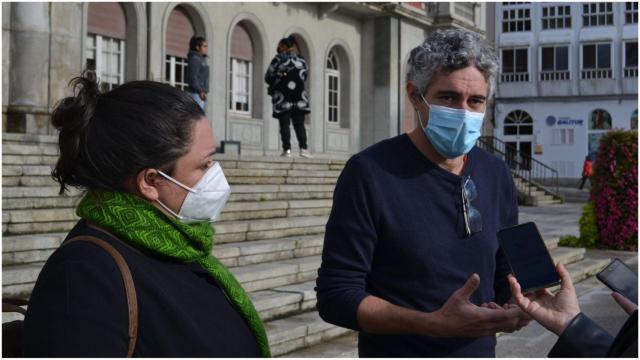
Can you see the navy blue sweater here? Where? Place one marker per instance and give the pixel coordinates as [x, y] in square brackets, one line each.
[396, 231]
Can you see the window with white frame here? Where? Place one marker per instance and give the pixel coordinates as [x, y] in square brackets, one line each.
[554, 63]
[105, 57]
[596, 61]
[333, 89]
[516, 17]
[556, 17]
[597, 14]
[631, 12]
[515, 65]
[176, 72]
[518, 122]
[631, 59]
[240, 90]
[562, 137]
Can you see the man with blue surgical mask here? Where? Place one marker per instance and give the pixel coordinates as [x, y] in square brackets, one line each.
[411, 259]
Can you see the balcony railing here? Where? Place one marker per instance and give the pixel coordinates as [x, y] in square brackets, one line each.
[597, 74]
[631, 72]
[515, 77]
[555, 75]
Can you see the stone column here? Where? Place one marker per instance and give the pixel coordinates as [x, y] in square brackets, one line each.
[28, 108]
[66, 56]
[380, 97]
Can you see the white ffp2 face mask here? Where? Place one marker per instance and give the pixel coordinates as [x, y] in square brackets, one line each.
[205, 200]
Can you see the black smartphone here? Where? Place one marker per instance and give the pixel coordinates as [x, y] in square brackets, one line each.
[528, 257]
[621, 279]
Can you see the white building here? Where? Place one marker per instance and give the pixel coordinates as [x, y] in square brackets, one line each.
[568, 74]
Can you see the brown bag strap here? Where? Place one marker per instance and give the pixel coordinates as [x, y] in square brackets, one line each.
[129, 287]
[10, 307]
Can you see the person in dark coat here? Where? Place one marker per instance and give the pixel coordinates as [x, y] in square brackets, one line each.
[578, 335]
[198, 70]
[285, 78]
[143, 153]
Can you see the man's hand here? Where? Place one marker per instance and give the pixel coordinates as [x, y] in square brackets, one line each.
[203, 96]
[523, 318]
[554, 312]
[459, 317]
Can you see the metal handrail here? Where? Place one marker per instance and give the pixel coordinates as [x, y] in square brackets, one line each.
[523, 166]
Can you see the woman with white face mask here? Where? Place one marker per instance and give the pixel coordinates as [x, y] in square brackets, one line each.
[143, 152]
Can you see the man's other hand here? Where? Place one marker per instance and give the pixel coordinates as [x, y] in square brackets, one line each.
[459, 317]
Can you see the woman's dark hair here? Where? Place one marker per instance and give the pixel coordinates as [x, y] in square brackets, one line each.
[106, 139]
[289, 42]
[195, 42]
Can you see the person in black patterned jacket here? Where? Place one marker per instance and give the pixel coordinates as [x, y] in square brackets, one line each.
[286, 76]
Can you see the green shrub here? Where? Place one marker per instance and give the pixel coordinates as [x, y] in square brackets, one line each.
[589, 237]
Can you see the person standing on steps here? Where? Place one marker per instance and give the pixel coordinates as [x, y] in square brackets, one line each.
[198, 70]
[285, 78]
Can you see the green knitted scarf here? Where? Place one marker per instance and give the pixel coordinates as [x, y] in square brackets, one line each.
[144, 226]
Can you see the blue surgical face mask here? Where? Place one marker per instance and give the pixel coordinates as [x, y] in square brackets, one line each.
[452, 132]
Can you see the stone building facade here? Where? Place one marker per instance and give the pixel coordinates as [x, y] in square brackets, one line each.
[356, 53]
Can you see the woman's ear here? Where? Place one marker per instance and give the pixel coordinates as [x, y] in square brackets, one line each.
[147, 181]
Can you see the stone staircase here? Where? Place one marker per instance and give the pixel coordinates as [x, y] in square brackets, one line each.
[533, 194]
[270, 235]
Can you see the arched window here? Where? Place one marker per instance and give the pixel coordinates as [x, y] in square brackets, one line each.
[518, 122]
[241, 68]
[634, 120]
[333, 88]
[105, 51]
[600, 120]
[179, 33]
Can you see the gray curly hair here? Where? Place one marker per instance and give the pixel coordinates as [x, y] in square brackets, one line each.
[447, 50]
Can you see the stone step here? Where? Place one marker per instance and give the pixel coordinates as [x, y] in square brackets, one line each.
[549, 202]
[53, 190]
[72, 201]
[19, 149]
[255, 252]
[34, 248]
[286, 300]
[345, 346]
[276, 274]
[567, 255]
[300, 331]
[295, 217]
[234, 231]
[232, 211]
[29, 159]
[31, 139]
[18, 280]
[25, 249]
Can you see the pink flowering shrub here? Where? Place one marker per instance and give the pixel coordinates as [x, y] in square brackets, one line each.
[614, 193]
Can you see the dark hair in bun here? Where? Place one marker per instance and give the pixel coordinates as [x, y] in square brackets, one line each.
[107, 138]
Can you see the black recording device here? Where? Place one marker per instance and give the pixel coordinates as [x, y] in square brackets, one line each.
[621, 279]
[528, 257]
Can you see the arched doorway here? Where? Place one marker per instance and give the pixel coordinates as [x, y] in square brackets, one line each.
[179, 31]
[518, 137]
